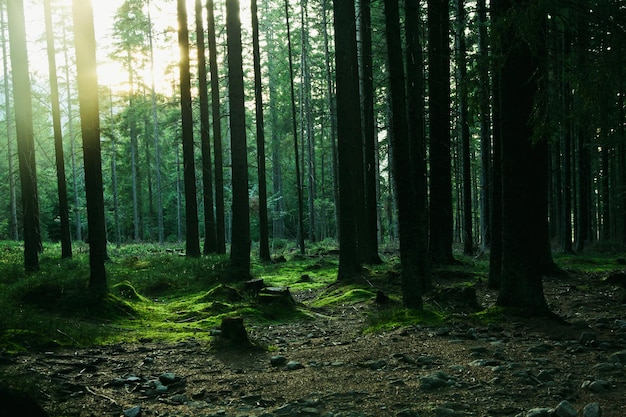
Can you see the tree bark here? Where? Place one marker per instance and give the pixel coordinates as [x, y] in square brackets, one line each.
[240, 242]
[192, 245]
[210, 242]
[66, 242]
[264, 247]
[441, 220]
[85, 42]
[25, 134]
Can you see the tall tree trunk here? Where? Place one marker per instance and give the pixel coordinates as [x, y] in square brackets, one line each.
[220, 230]
[264, 247]
[25, 134]
[370, 225]
[155, 133]
[485, 125]
[240, 243]
[210, 242]
[13, 224]
[441, 215]
[417, 137]
[404, 172]
[332, 115]
[463, 130]
[295, 138]
[192, 245]
[524, 172]
[66, 242]
[85, 41]
[116, 205]
[349, 137]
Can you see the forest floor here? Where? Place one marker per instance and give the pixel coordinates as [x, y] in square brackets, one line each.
[329, 364]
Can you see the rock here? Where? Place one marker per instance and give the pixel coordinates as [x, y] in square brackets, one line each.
[618, 357]
[168, 378]
[377, 364]
[294, 365]
[599, 386]
[179, 399]
[592, 410]
[283, 410]
[278, 360]
[587, 338]
[538, 412]
[310, 411]
[407, 413]
[540, 348]
[608, 367]
[444, 412]
[133, 412]
[565, 409]
[434, 381]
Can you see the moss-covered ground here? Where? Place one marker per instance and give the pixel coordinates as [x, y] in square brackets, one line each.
[157, 294]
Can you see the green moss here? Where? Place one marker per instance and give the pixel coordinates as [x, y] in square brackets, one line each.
[344, 296]
[126, 291]
[395, 317]
[494, 314]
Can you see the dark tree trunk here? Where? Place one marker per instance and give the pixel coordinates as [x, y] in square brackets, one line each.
[66, 241]
[85, 41]
[264, 247]
[464, 131]
[417, 136]
[349, 137]
[240, 243]
[192, 239]
[404, 172]
[294, 125]
[210, 243]
[524, 172]
[25, 135]
[441, 216]
[217, 132]
[485, 125]
[370, 225]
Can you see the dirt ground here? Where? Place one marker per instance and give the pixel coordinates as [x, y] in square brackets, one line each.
[328, 366]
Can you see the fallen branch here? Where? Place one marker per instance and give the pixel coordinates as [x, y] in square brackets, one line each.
[97, 394]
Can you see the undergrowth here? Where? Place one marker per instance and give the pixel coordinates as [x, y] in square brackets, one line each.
[156, 293]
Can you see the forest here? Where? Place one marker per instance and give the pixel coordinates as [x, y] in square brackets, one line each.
[324, 185]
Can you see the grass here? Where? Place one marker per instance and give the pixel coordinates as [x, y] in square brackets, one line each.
[158, 294]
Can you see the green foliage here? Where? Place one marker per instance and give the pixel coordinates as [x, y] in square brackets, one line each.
[347, 295]
[395, 317]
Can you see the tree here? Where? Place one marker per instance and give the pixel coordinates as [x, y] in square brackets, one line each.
[264, 248]
[13, 224]
[217, 132]
[240, 243]
[294, 124]
[485, 124]
[85, 45]
[404, 171]
[349, 137]
[210, 242]
[66, 242]
[192, 239]
[370, 223]
[524, 160]
[441, 214]
[25, 134]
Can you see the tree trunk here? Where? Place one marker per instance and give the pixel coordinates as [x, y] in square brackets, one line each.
[13, 224]
[189, 172]
[485, 125]
[240, 243]
[295, 138]
[210, 243]
[441, 215]
[524, 173]
[464, 131]
[264, 247]
[25, 134]
[90, 125]
[66, 242]
[370, 225]
[417, 137]
[349, 137]
[404, 172]
[116, 206]
[217, 132]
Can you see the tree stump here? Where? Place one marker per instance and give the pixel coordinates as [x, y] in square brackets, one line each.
[254, 285]
[277, 295]
[18, 403]
[234, 333]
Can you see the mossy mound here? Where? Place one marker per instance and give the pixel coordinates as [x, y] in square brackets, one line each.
[127, 291]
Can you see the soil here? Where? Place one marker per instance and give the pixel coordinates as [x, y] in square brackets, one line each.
[504, 368]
